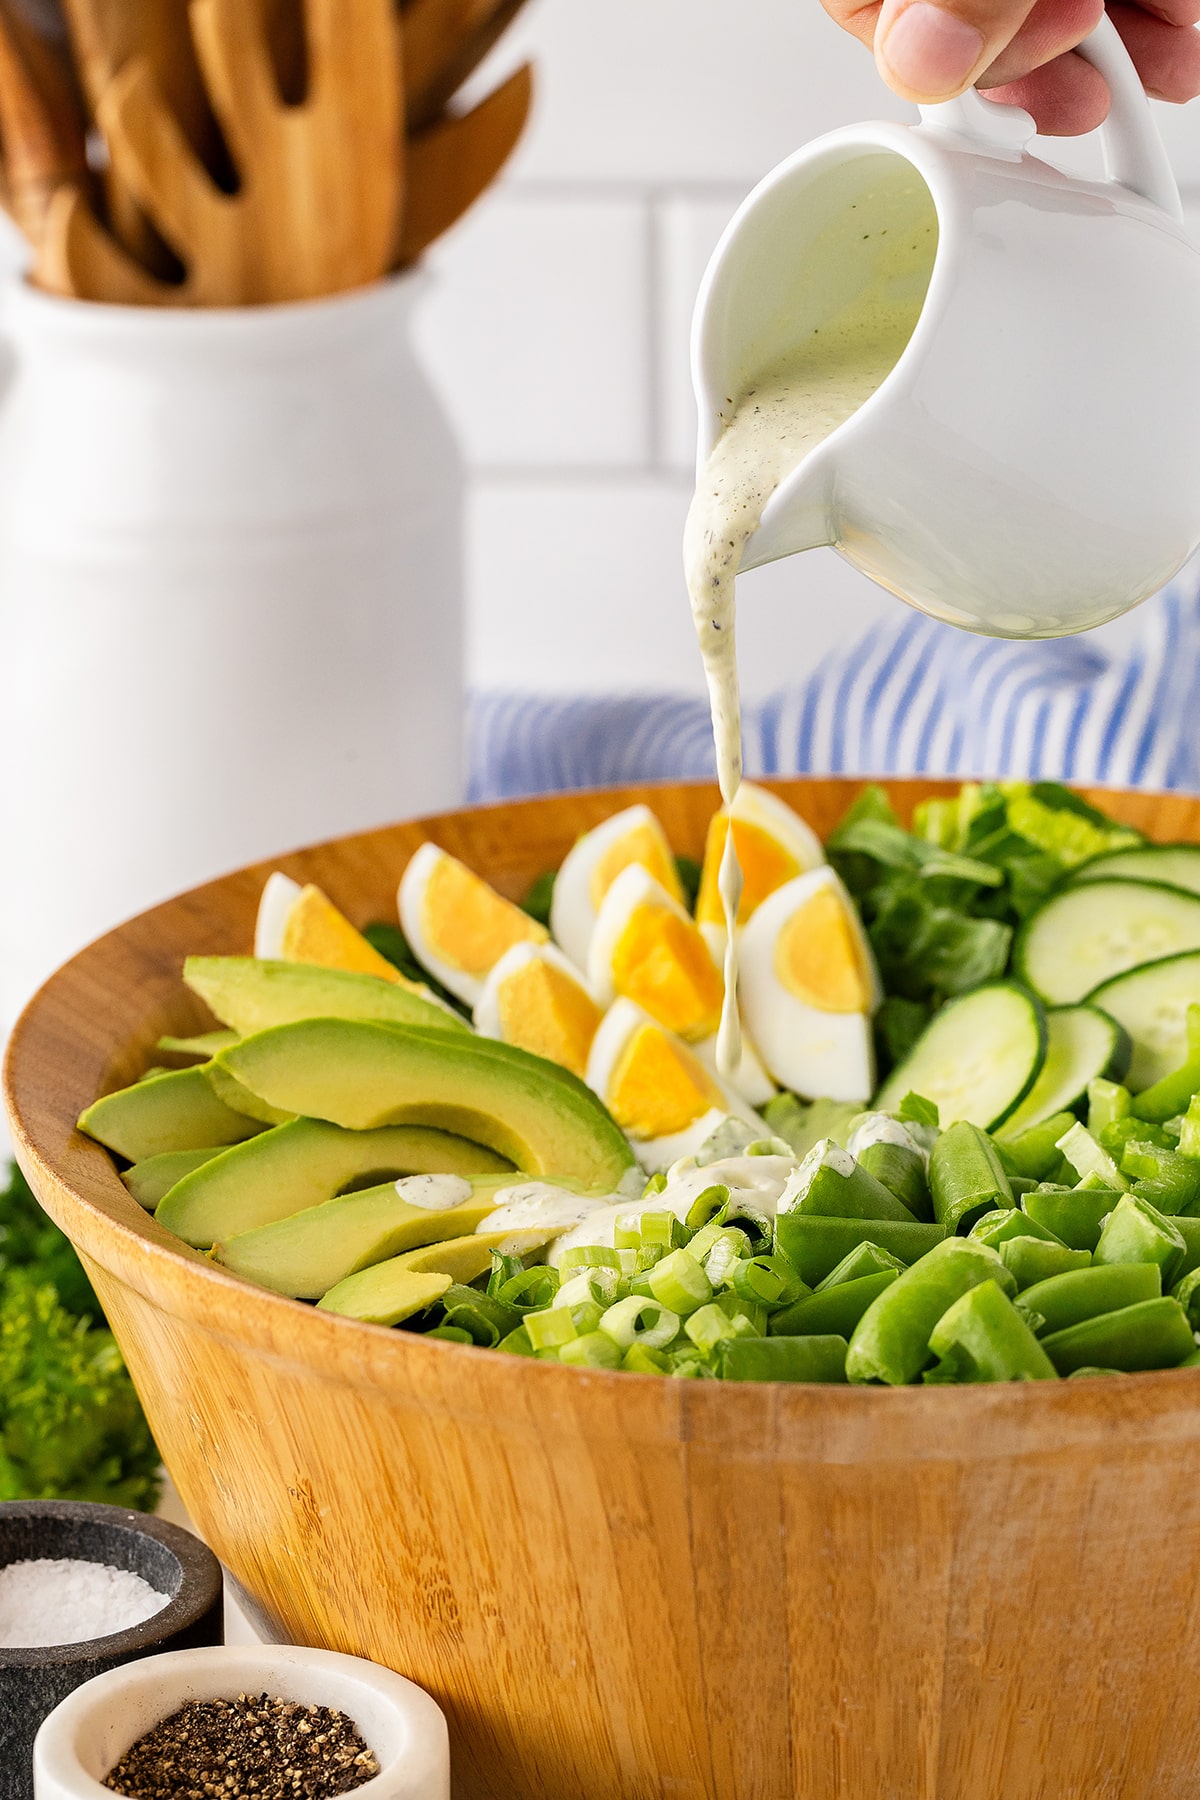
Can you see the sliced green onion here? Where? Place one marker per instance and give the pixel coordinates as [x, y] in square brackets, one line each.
[586, 1317]
[730, 1248]
[629, 1262]
[549, 1330]
[770, 1146]
[594, 1350]
[453, 1334]
[503, 1270]
[752, 1311]
[713, 1202]
[517, 1342]
[665, 1229]
[680, 1283]
[648, 1255]
[640, 1284]
[756, 1279]
[599, 1285]
[655, 1185]
[531, 1288]
[710, 1324]
[647, 1322]
[627, 1231]
[588, 1256]
[482, 1315]
[642, 1361]
[758, 1229]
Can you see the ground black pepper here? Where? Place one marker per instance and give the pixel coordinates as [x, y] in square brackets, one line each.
[251, 1748]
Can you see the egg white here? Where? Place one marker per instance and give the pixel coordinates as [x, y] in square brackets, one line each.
[758, 806]
[572, 909]
[487, 1008]
[633, 888]
[811, 1051]
[280, 893]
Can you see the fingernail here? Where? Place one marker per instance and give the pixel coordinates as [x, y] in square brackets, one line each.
[929, 51]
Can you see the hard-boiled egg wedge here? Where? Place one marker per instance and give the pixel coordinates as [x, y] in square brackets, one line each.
[457, 925]
[536, 999]
[591, 867]
[647, 948]
[661, 1095]
[750, 1079]
[298, 924]
[808, 988]
[773, 845]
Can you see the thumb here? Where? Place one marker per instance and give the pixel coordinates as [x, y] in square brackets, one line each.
[929, 52]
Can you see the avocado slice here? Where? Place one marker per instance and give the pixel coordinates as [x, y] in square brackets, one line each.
[303, 1164]
[240, 1099]
[312, 1251]
[361, 1075]
[394, 1290]
[175, 1111]
[251, 993]
[149, 1180]
[202, 1047]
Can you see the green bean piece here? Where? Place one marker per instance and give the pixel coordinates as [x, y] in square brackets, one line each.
[1035, 1152]
[864, 1259]
[891, 1340]
[815, 1245]
[1152, 1335]
[1029, 1260]
[1107, 1101]
[835, 1311]
[831, 1183]
[1021, 1185]
[1089, 1161]
[966, 1177]
[983, 1337]
[1114, 1137]
[1176, 1178]
[1187, 1292]
[1192, 1361]
[1078, 1294]
[1163, 1194]
[1189, 1129]
[902, 1172]
[1134, 1232]
[1173, 1094]
[782, 1359]
[1189, 1230]
[1075, 1216]
[995, 1228]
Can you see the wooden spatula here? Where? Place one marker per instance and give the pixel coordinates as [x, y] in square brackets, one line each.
[452, 162]
[320, 183]
[444, 42]
[78, 259]
[42, 125]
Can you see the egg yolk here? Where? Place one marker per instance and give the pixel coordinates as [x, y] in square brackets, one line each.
[658, 1087]
[467, 923]
[643, 844]
[820, 960]
[662, 961]
[545, 1011]
[765, 866]
[316, 932]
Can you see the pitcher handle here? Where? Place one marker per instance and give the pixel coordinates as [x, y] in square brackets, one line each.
[1134, 155]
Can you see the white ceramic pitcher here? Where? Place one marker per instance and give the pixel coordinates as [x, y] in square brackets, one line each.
[230, 598]
[1031, 465]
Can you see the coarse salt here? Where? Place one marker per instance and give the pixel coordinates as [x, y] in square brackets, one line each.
[62, 1600]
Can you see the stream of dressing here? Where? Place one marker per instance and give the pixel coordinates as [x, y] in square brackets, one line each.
[783, 415]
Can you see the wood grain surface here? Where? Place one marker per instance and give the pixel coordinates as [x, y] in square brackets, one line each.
[620, 1587]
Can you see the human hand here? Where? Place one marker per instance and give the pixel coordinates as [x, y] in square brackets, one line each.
[1021, 53]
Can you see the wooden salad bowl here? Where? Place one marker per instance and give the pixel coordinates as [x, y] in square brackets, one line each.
[621, 1587]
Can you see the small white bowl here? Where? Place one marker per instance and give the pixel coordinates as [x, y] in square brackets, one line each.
[88, 1733]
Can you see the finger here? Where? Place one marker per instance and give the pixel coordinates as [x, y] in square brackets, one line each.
[1066, 97]
[1052, 28]
[928, 52]
[1166, 55]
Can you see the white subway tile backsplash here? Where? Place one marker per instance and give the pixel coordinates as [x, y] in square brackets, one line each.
[536, 330]
[692, 91]
[577, 587]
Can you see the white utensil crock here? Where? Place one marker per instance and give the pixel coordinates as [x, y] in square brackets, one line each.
[89, 1732]
[1031, 464]
[230, 598]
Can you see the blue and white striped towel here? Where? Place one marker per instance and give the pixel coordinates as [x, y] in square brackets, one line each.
[911, 697]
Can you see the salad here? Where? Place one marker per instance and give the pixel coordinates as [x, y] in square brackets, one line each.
[962, 1143]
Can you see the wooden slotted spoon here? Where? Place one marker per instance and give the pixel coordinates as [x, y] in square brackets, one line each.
[42, 125]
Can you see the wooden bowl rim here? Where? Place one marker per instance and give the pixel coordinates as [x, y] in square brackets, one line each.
[863, 1423]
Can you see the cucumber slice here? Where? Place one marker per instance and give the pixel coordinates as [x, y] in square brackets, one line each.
[977, 1058]
[1081, 1043]
[1083, 936]
[1151, 1002]
[1178, 865]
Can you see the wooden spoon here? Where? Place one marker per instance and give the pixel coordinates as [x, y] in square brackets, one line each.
[78, 259]
[42, 125]
[452, 162]
[320, 182]
[444, 42]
